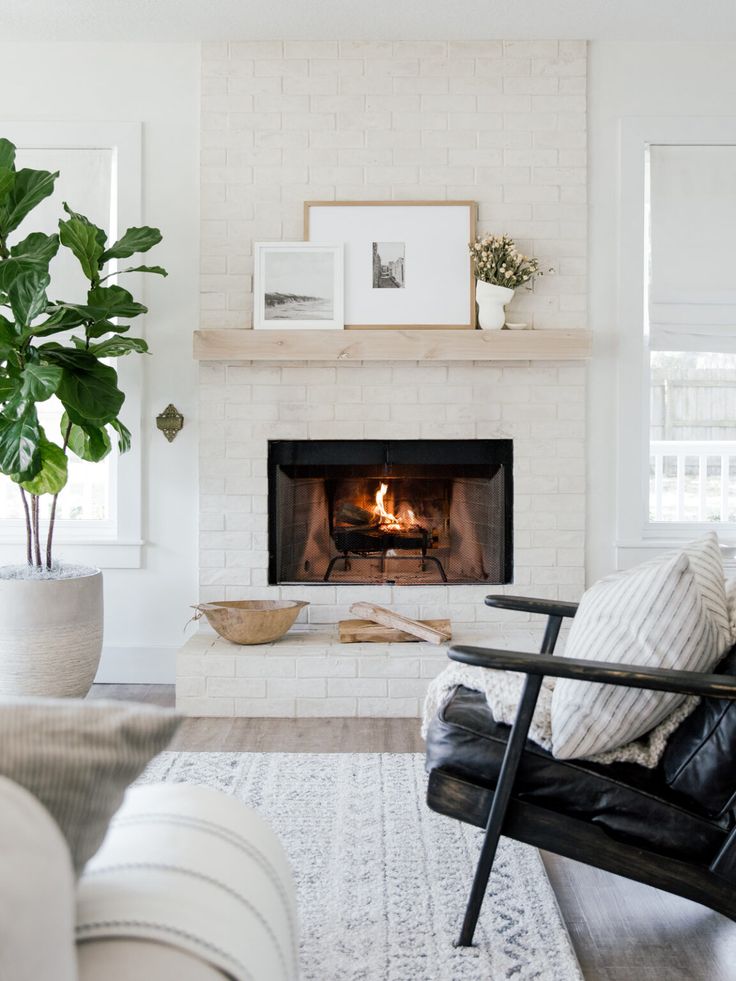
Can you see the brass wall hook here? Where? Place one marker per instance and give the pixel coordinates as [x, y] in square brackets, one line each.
[170, 422]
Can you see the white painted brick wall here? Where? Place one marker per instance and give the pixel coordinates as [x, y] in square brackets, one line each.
[309, 673]
[502, 123]
[539, 405]
[499, 122]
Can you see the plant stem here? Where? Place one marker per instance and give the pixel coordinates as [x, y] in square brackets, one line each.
[29, 532]
[52, 516]
[36, 535]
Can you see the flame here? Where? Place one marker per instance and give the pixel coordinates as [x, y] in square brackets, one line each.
[385, 516]
[392, 522]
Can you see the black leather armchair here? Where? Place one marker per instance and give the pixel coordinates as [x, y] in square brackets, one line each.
[672, 827]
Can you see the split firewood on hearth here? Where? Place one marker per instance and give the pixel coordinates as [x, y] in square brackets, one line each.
[379, 614]
[370, 632]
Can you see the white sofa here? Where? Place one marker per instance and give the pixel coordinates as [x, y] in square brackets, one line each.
[189, 884]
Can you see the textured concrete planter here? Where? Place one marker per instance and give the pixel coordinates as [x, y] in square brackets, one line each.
[491, 302]
[50, 635]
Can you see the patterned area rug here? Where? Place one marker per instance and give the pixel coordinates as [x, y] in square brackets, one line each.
[382, 880]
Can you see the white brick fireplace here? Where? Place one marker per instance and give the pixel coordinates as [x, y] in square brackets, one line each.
[540, 405]
[501, 123]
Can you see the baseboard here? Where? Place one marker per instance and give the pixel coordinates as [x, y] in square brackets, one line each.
[137, 666]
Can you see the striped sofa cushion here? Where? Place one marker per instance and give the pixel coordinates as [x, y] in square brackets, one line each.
[653, 615]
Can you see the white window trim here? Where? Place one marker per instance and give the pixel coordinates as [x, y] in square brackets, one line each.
[124, 548]
[636, 537]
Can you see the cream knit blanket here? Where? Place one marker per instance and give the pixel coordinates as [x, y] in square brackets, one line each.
[503, 691]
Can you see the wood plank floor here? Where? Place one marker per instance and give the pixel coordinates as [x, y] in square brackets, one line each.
[622, 931]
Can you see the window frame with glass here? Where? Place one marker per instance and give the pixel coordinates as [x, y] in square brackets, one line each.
[637, 534]
[116, 541]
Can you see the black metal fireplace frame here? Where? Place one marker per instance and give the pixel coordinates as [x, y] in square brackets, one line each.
[390, 453]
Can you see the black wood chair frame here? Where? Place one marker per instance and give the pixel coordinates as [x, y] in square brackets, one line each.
[497, 811]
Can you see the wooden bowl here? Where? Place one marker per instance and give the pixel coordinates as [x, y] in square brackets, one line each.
[250, 621]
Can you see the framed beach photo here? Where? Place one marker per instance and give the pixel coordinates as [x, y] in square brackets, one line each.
[406, 262]
[298, 285]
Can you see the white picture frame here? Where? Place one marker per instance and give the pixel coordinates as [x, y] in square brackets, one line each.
[424, 280]
[298, 286]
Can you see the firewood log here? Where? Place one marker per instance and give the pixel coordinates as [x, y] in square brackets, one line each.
[379, 614]
[353, 515]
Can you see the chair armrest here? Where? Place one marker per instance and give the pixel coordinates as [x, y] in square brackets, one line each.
[626, 675]
[527, 604]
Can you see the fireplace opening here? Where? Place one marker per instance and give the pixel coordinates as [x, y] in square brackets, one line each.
[390, 511]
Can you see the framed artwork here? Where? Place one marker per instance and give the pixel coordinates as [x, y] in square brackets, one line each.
[406, 262]
[298, 285]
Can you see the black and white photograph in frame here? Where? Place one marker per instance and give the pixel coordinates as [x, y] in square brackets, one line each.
[298, 285]
[389, 260]
[406, 262]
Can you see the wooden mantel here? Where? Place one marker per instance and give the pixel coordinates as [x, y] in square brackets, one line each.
[392, 345]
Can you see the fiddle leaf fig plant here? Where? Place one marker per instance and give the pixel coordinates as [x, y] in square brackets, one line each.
[70, 367]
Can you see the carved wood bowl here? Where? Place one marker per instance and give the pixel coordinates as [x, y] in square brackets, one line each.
[250, 621]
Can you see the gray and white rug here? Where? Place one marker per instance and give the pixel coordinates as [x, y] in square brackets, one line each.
[383, 881]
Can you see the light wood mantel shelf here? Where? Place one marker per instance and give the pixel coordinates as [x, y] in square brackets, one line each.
[392, 345]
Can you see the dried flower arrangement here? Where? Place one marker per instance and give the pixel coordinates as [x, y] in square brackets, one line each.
[496, 260]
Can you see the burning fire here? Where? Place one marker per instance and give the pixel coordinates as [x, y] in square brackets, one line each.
[391, 522]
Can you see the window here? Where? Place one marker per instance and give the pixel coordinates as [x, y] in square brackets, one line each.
[690, 330]
[86, 508]
[99, 511]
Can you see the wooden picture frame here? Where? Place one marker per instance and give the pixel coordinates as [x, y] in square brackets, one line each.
[427, 249]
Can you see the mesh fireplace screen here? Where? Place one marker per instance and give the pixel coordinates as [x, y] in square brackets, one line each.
[390, 511]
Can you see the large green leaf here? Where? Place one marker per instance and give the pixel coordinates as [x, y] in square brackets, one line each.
[62, 319]
[27, 295]
[123, 435]
[36, 247]
[40, 381]
[29, 188]
[7, 179]
[35, 383]
[158, 270]
[103, 327]
[7, 154]
[32, 254]
[88, 389]
[19, 445]
[12, 268]
[9, 386]
[99, 232]
[52, 476]
[91, 443]
[134, 240]
[82, 239]
[116, 347]
[8, 338]
[106, 302]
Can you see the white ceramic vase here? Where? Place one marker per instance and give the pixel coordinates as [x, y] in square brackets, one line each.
[50, 635]
[491, 302]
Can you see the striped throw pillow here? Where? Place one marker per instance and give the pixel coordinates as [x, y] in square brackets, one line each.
[78, 757]
[652, 616]
[706, 563]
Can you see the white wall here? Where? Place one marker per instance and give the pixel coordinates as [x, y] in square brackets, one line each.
[157, 85]
[625, 80]
[498, 122]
